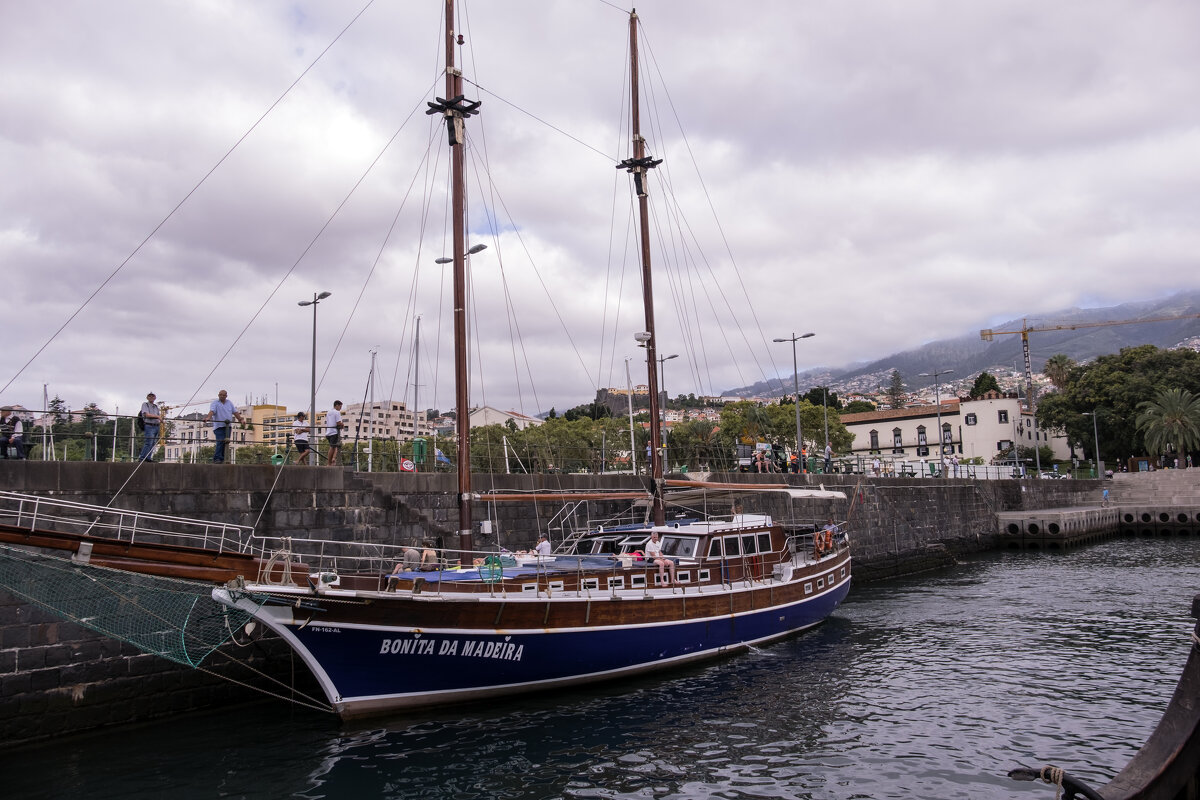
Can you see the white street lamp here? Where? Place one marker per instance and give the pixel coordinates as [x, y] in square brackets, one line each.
[937, 398]
[796, 387]
[662, 380]
[1096, 439]
[312, 408]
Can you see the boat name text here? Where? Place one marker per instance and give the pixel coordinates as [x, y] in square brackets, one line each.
[469, 648]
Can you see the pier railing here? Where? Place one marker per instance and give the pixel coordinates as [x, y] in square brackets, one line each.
[31, 512]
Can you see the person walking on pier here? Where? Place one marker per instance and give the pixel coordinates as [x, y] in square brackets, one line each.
[151, 418]
[222, 413]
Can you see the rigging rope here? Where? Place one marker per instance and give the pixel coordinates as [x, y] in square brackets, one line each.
[186, 197]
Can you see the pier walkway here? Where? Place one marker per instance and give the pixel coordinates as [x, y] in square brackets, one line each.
[1140, 504]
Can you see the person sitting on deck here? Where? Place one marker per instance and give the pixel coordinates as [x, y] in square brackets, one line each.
[654, 555]
[410, 563]
[429, 558]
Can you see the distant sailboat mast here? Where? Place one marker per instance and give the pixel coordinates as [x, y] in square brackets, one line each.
[638, 167]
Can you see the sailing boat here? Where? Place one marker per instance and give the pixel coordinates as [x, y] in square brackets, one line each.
[614, 602]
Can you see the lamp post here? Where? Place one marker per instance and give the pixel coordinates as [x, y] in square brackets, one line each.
[474, 249]
[937, 398]
[825, 407]
[1095, 439]
[796, 387]
[662, 380]
[312, 407]
[632, 442]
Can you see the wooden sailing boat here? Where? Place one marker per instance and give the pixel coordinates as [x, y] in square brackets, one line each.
[380, 637]
[494, 623]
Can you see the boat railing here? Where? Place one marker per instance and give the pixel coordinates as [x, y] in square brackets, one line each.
[366, 566]
[48, 514]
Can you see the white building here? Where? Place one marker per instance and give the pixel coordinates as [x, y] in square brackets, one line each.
[384, 419]
[969, 429]
[185, 435]
[486, 415]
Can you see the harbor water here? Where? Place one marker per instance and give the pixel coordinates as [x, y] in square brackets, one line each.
[933, 686]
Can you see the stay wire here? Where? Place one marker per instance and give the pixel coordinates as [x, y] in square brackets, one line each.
[186, 197]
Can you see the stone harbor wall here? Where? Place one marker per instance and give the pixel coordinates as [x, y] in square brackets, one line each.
[58, 678]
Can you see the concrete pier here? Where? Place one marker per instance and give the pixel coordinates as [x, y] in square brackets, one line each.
[1055, 528]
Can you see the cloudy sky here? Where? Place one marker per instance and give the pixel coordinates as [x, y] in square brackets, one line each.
[179, 175]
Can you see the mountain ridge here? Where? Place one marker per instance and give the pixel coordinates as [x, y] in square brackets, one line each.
[969, 354]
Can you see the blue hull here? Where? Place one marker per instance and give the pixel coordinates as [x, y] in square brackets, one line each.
[371, 669]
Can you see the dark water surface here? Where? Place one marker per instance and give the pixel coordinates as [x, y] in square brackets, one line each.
[929, 687]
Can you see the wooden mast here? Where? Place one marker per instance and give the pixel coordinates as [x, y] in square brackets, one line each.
[456, 110]
[638, 167]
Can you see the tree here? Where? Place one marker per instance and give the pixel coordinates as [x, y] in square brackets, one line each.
[816, 397]
[858, 407]
[1172, 418]
[986, 382]
[895, 391]
[1113, 386]
[1058, 369]
[57, 409]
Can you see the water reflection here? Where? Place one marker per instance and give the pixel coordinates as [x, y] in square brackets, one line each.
[930, 687]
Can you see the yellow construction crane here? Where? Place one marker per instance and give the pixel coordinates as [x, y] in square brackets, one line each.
[987, 334]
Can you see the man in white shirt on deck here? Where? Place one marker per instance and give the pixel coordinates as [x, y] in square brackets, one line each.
[543, 546]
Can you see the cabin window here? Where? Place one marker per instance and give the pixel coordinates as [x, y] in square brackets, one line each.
[605, 546]
[556, 586]
[679, 546]
[616, 583]
[764, 543]
[820, 583]
[637, 581]
[702, 576]
[685, 577]
[631, 543]
[843, 572]
[808, 587]
[732, 548]
[591, 583]
[528, 587]
[714, 548]
[748, 546]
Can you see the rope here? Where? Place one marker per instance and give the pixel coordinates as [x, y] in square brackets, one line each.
[1053, 776]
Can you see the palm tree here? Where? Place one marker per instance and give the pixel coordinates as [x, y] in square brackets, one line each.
[1172, 418]
[1058, 368]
